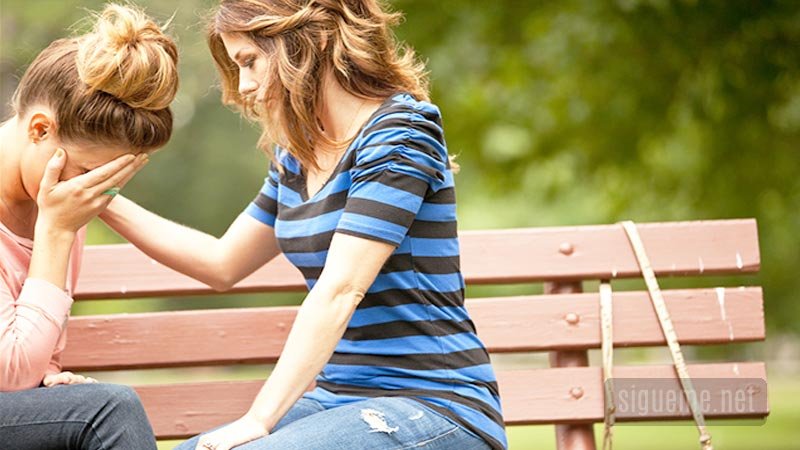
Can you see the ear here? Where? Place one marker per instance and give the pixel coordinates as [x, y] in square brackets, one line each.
[41, 126]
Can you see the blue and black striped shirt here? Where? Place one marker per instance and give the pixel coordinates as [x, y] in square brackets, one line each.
[411, 335]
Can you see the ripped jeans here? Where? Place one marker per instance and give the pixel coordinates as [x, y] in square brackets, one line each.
[384, 423]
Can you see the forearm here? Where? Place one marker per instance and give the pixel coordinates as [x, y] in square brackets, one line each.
[320, 324]
[33, 323]
[32, 327]
[50, 258]
[181, 248]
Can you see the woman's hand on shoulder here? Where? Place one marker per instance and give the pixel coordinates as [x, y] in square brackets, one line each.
[243, 430]
[69, 205]
[55, 379]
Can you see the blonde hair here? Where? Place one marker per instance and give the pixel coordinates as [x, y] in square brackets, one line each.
[110, 86]
[303, 40]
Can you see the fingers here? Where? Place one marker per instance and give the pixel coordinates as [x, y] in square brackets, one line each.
[67, 378]
[212, 441]
[91, 179]
[52, 173]
[204, 443]
[144, 160]
[52, 380]
[120, 178]
[236, 433]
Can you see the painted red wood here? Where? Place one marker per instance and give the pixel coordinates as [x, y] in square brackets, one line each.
[570, 436]
[567, 324]
[536, 396]
[494, 256]
[506, 324]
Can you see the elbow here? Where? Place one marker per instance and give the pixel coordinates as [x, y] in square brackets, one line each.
[218, 274]
[352, 296]
[17, 378]
[222, 278]
[220, 269]
[344, 294]
[20, 384]
[221, 284]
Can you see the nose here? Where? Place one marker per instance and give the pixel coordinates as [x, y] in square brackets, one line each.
[247, 86]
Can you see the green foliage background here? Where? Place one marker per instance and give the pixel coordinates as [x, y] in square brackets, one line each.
[562, 112]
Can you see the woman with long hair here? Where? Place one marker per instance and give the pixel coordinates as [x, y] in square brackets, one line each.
[360, 197]
[86, 114]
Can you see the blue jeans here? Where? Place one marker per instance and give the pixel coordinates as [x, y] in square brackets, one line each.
[384, 423]
[79, 417]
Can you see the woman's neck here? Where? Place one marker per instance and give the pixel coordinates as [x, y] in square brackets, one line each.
[342, 112]
[17, 208]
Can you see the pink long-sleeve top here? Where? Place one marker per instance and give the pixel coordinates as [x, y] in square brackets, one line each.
[33, 314]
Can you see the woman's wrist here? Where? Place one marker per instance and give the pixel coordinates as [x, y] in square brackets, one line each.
[265, 420]
[112, 211]
[53, 234]
[51, 249]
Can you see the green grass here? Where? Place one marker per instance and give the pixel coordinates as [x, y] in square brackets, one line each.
[781, 431]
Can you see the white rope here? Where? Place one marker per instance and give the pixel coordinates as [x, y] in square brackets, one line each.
[669, 332]
[607, 348]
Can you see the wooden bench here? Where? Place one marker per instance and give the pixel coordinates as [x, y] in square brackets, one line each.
[564, 321]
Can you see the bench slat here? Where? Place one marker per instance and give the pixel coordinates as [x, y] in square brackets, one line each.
[536, 396]
[507, 324]
[496, 256]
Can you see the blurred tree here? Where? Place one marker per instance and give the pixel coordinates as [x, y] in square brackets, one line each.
[594, 111]
[568, 112]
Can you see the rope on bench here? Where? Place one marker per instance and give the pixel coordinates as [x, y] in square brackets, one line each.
[607, 347]
[669, 333]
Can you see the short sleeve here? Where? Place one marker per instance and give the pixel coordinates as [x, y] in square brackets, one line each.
[264, 207]
[390, 178]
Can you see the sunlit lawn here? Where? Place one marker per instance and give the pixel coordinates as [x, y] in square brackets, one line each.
[781, 430]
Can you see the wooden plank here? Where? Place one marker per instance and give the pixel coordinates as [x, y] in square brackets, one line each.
[572, 321]
[510, 324]
[536, 396]
[603, 252]
[575, 395]
[494, 256]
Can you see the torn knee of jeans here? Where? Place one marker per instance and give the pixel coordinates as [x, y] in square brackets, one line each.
[416, 416]
[377, 421]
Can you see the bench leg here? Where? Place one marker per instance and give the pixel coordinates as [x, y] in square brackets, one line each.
[579, 436]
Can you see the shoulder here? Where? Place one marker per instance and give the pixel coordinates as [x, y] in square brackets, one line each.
[404, 137]
[404, 125]
[402, 117]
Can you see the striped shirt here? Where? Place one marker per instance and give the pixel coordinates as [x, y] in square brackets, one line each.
[411, 335]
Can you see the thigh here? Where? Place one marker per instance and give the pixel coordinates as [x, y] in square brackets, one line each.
[387, 423]
[302, 408]
[85, 416]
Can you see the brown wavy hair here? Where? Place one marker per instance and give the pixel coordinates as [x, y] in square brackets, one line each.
[303, 41]
[111, 86]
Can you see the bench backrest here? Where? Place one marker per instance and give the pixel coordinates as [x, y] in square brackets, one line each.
[565, 324]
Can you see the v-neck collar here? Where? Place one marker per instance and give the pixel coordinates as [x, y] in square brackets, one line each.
[304, 197]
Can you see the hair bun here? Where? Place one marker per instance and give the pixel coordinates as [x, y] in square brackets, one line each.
[127, 55]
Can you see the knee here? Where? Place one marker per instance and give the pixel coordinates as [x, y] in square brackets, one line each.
[115, 414]
[122, 400]
[110, 393]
